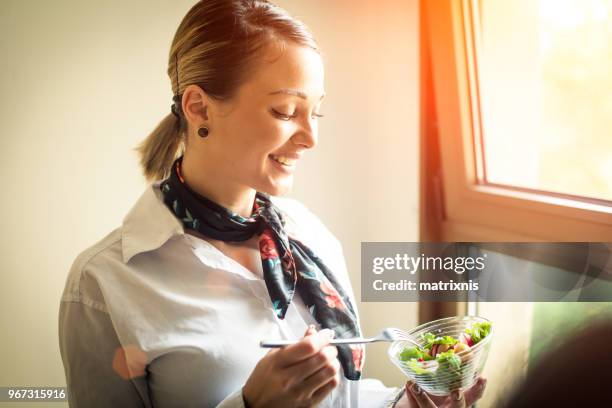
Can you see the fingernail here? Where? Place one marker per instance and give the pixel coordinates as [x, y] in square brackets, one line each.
[457, 395]
[416, 389]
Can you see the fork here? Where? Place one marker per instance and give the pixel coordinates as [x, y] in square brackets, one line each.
[388, 334]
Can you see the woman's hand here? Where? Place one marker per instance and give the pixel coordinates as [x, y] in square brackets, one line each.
[415, 397]
[299, 375]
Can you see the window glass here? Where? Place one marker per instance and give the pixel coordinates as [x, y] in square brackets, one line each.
[545, 83]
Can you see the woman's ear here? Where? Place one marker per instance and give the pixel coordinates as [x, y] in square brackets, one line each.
[195, 105]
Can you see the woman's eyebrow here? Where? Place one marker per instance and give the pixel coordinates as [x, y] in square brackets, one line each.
[294, 92]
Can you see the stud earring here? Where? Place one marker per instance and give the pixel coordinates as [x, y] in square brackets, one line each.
[203, 131]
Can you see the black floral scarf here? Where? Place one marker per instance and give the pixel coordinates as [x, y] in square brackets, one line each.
[288, 264]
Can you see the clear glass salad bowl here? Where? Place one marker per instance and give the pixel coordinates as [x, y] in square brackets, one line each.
[441, 376]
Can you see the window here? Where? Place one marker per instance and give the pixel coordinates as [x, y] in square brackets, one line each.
[543, 73]
[523, 118]
[516, 146]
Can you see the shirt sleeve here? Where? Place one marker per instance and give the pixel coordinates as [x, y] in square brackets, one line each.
[180, 378]
[234, 400]
[96, 374]
[88, 346]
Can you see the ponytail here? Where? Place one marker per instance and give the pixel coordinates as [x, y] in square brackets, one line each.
[159, 150]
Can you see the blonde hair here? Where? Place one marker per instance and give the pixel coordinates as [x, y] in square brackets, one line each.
[214, 47]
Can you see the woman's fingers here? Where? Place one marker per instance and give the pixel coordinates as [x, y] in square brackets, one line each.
[475, 392]
[456, 399]
[322, 392]
[310, 330]
[419, 397]
[327, 373]
[305, 348]
[305, 368]
[412, 403]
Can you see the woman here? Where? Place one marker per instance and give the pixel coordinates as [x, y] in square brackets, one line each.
[169, 309]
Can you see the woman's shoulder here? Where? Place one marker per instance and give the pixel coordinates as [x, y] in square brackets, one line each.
[81, 282]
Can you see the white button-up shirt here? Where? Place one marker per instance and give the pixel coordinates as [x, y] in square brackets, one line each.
[152, 316]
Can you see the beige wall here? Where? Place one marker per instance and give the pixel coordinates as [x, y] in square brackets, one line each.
[363, 178]
[83, 82]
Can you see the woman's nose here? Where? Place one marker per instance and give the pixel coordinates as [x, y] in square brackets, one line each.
[308, 135]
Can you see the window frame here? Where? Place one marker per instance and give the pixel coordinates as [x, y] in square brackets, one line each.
[486, 212]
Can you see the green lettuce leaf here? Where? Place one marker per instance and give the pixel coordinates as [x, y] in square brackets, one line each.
[479, 331]
[410, 353]
[449, 369]
[429, 339]
[448, 360]
[418, 369]
[451, 341]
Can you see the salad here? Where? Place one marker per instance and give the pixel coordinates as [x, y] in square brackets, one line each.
[448, 353]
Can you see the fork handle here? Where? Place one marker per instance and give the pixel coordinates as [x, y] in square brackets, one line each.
[283, 343]
[353, 340]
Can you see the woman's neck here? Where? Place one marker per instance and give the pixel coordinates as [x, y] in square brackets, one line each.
[207, 181]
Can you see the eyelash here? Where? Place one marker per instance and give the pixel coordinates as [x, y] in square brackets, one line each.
[282, 116]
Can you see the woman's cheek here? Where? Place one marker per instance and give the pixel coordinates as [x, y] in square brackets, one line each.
[284, 131]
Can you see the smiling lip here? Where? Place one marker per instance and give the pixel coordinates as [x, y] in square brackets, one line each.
[284, 162]
[295, 156]
[287, 160]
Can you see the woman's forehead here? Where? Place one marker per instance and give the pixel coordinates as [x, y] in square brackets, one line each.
[294, 71]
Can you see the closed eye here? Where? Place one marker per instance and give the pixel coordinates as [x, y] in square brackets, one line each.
[285, 116]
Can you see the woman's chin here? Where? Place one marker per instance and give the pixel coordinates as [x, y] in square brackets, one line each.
[279, 188]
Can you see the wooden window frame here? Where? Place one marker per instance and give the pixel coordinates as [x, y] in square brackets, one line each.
[473, 211]
[455, 204]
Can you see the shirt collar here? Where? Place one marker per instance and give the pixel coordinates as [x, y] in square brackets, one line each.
[149, 224]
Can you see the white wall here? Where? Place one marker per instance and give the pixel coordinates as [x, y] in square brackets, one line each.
[83, 82]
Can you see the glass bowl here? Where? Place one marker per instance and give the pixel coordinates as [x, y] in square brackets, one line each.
[441, 378]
